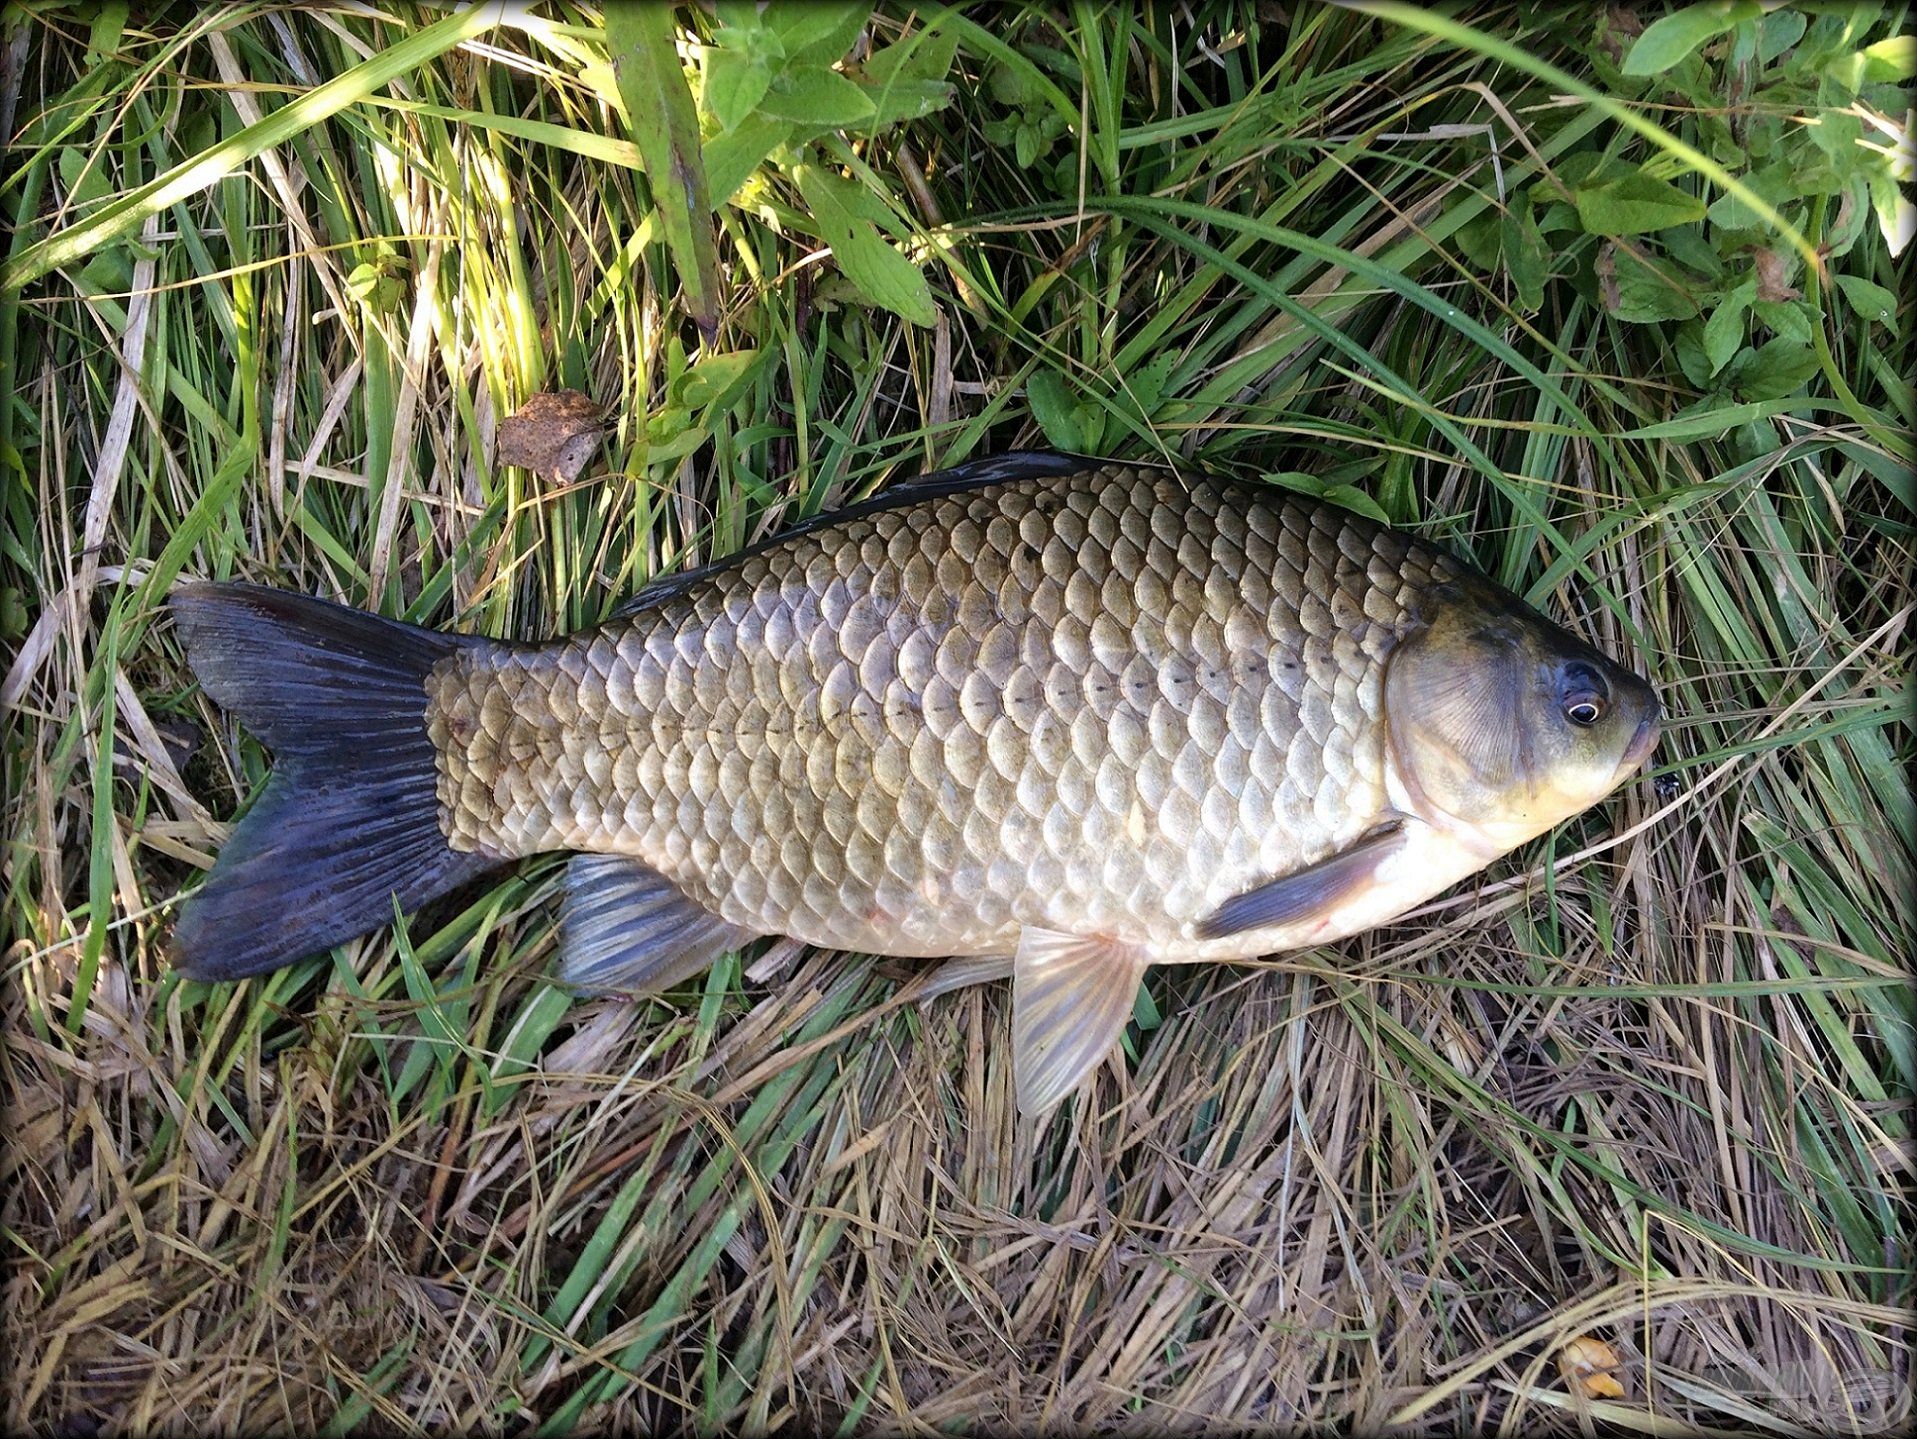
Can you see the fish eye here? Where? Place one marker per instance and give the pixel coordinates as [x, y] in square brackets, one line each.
[1583, 697]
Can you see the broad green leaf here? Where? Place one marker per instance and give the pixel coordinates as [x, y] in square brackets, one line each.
[1479, 240]
[1345, 496]
[652, 84]
[904, 100]
[1687, 348]
[1144, 387]
[1431, 21]
[1836, 133]
[742, 16]
[818, 30]
[1025, 146]
[1885, 63]
[202, 171]
[1787, 318]
[1890, 60]
[1873, 302]
[1896, 216]
[716, 379]
[732, 157]
[875, 268]
[1055, 408]
[1773, 184]
[1526, 258]
[1667, 41]
[1780, 30]
[1724, 331]
[1635, 204]
[1643, 293]
[1710, 419]
[675, 445]
[923, 55]
[735, 83]
[103, 39]
[822, 98]
[1780, 368]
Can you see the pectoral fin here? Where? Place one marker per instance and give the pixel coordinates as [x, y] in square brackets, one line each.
[625, 926]
[1305, 893]
[1071, 997]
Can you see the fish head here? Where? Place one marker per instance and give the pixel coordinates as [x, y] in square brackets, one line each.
[1503, 724]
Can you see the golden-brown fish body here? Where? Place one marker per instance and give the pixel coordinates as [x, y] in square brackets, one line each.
[1072, 718]
[1101, 703]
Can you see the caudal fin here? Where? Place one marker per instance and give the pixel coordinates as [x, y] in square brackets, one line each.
[349, 819]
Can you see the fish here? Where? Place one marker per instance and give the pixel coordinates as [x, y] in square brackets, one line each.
[1043, 717]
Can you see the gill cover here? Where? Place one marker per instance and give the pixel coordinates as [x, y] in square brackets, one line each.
[1454, 695]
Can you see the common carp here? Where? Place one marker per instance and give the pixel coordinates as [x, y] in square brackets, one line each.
[1045, 717]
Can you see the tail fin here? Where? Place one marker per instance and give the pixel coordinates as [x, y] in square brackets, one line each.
[349, 819]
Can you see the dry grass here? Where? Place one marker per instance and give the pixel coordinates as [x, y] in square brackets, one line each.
[1648, 1081]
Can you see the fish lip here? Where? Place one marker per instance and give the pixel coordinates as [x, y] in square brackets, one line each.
[1640, 747]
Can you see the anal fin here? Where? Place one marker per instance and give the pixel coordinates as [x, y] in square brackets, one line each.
[625, 926]
[1071, 999]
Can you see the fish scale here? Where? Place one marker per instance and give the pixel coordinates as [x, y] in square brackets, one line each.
[1100, 703]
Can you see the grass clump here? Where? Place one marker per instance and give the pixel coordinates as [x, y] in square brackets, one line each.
[1610, 304]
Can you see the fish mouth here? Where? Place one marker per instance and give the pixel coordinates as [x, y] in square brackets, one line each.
[1640, 747]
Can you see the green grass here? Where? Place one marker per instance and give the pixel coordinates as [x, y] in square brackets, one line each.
[275, 277]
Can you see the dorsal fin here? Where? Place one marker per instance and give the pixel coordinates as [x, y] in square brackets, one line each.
[972, 475]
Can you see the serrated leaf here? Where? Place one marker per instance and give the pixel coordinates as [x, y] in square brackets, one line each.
[1145, 386]
[1667, 41]
[823, 98]
[874, 267]
[1873, 302]
[1635, 204]
[665, 127]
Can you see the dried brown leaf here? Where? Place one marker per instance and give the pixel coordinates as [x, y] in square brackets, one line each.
[1770, 277]
[556, 432]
